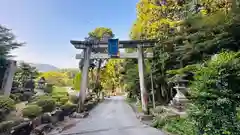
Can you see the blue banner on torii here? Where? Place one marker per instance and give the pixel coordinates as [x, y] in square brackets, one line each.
[113, 50]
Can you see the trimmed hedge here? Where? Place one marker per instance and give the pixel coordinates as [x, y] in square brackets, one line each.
[6, 126]
[47, 103]
[32, 111]
[68, 108]
[48, 88]
[60, 98]
[7, 103]
[73, 99]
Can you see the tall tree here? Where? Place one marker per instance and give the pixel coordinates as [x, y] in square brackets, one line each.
[7, 43]
[188, 33]
[111, 77]
[25, 73]
[100, 34]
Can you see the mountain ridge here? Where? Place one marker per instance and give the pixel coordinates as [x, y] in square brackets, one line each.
[42, 67]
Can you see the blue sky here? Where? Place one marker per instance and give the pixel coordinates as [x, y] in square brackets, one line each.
[47, 26]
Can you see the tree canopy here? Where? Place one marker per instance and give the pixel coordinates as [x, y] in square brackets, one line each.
[7, 42]
[24, 73]
[60, 78]
[100, 32]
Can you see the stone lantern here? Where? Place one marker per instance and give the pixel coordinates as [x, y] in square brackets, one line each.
[41, 83]
[179, 101]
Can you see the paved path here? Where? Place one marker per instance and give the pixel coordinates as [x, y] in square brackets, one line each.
[112, 117]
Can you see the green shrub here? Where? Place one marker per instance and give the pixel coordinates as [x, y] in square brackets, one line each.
[215, 96]
[73, 99]
[180, 126]
[61, 98]
[69, 108]
[48, 88]
[32, 111]
[47, 103]
[36, 98]
[16, 97]
[158, 110]
[77, 79]
[6, 103]
[6, 126]
[26, 95]
[159, 122]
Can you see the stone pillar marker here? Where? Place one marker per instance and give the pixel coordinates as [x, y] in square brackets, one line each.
[8, 78]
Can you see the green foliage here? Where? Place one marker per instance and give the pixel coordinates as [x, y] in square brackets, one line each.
[24, 75]
[16, 97]
[69, 107]
[100, 32]
[32, 111]
[73, 99]
[57, 78]
[191, 68]
[6, 103]
[60, 95]
[48, 88]
[70, 72]
[131, 78]
[180, 126]
[47, 103]
[215, 95]
[36, 98]
[5, 126]
[7, 41]
[159, 122]
[186, 36]
[26, 95]
[98, 88]
[111, 77]
[77, 81]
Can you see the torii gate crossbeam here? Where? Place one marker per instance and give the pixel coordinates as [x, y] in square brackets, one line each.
[87, 46]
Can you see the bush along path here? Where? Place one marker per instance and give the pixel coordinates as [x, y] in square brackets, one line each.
[41, 113]
[73, 117]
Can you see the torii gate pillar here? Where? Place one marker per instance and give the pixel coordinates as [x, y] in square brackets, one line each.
[144, 96]
[84, 78]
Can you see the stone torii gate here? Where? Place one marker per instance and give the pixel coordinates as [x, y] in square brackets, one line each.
[87, 47]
